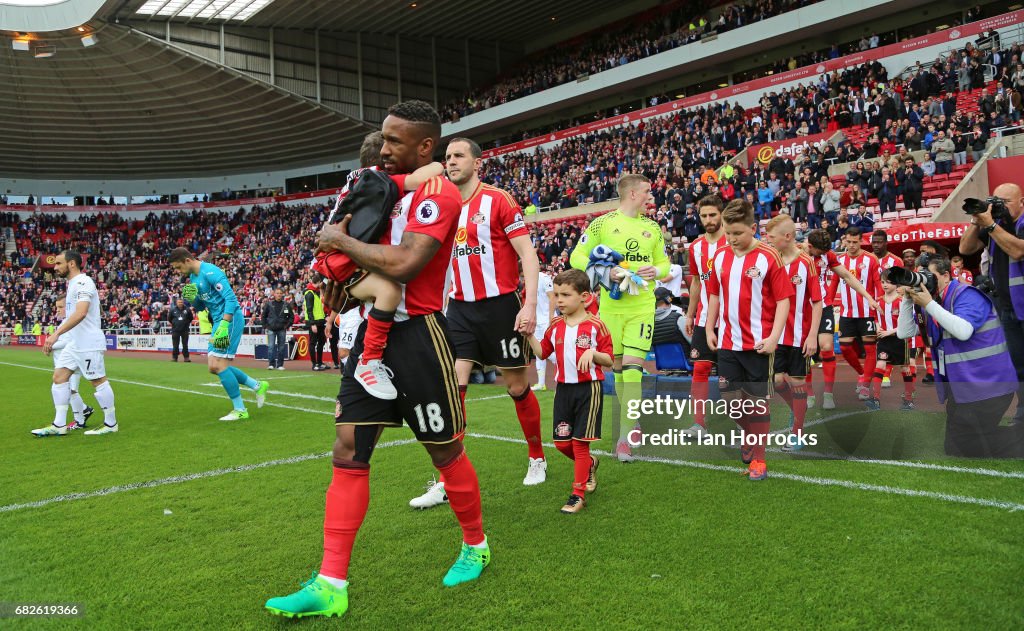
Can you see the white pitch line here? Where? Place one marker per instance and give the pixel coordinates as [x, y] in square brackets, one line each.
[996, 473]
[314, 397]
[897, 463]
[176, 479]
[825, 419]
[859, 486]
[297, 395]
[180, 390]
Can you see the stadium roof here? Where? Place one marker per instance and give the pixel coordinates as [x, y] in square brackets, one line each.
[131, 106]
[480, 20]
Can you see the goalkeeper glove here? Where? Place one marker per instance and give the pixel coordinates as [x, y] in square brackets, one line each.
[222, 336]
[189, 292]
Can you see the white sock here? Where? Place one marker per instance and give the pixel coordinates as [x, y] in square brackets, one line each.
[481, 545]
[61, 393]
[105, 397]
[340, 583]
[542, 372]
[77, 406]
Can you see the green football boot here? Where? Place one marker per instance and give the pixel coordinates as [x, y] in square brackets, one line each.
[316, 598]
[261, 393]
[469, 565]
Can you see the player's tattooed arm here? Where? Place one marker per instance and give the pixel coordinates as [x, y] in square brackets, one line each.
[400, 263]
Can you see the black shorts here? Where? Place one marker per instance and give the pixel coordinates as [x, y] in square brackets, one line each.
[577, 412]
[749, 371]
[699, 349]
[827, 325]
[420, 354]
[484, 332]
[893, 351]
[791, 361]
[857, 327]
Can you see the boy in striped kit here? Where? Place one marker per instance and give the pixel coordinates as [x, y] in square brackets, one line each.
[892, 351]
[581, 345]
[747, 312]
[799, 341]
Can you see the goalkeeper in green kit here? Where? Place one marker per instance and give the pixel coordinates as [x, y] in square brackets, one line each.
[640, 251]
[208, 288]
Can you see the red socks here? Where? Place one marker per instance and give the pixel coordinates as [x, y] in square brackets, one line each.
[870, 360]
[378, 325]
[852, 357]
[699, 390]
[528, 411]
[783, 391]
[759, 426]
[795, 397]
[348, 497]
[799, 407]
[908, 384]
[565, 446]
[876, 383]
[828, 366]
[581, 466]
[463, 491]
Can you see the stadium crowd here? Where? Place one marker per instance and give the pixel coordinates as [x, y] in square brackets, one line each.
[593, 53]
[685, 153]
[135, 284]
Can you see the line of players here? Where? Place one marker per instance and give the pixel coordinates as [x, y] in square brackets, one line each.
[868, 312]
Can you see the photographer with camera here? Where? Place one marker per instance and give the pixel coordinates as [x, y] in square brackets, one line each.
[997, 225]
[974, 375]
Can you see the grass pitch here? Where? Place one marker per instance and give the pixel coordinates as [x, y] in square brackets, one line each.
[180, 521]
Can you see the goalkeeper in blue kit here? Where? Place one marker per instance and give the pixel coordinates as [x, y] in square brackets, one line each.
[208, 288]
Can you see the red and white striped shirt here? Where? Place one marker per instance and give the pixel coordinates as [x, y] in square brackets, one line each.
[963, 275]
[865, 268]
[825, 263]
[568, 343]
[484, 263]
[888, 312]
[890, 260]
[748, 288]
[803, 274]
[702, 256]
[432, 209]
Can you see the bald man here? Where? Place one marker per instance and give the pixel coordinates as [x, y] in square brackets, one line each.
[1005, 244]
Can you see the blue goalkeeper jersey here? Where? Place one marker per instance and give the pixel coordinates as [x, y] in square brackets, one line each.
[214, 292]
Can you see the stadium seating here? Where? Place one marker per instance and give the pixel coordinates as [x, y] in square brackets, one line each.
[612, 46]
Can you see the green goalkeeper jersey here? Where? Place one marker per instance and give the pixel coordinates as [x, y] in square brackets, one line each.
[639, 241]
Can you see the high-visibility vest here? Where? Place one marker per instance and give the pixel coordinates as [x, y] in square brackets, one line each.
[205, 326]
[318, 307]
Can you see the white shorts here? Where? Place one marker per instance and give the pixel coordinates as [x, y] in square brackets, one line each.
[89, 363]
[348, 326]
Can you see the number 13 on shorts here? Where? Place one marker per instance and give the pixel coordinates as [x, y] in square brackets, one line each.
[630, 331]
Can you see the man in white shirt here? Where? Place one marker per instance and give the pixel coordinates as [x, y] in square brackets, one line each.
[673, 281]
[85, 348]
[545, 313]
